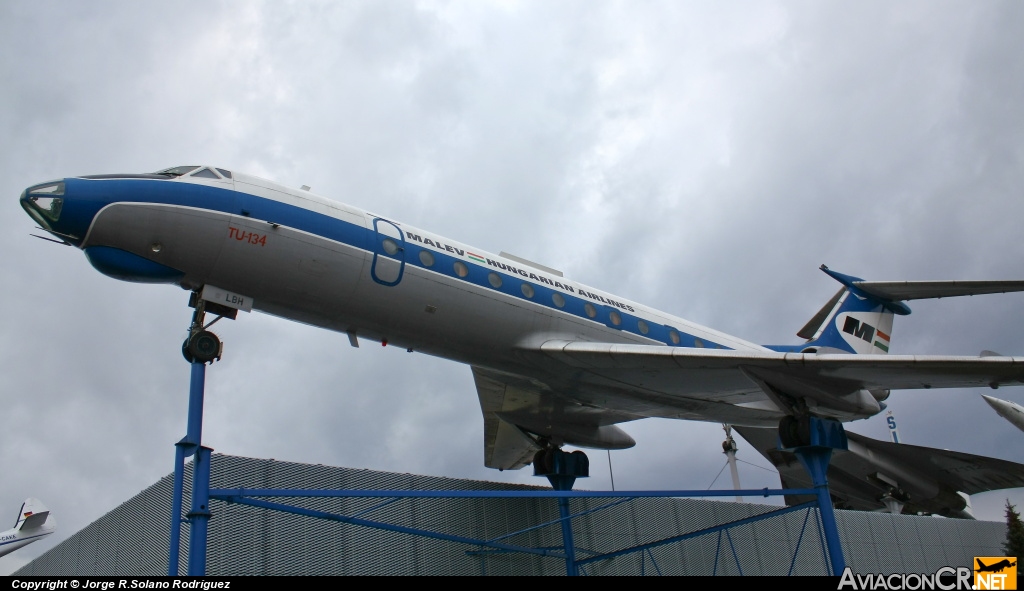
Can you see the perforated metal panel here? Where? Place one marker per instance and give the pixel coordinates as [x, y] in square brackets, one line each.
[132, 539]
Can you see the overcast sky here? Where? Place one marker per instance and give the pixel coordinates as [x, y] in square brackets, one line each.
[701, 157]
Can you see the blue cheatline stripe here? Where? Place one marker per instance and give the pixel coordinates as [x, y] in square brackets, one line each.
[87, 197]
[25, 539]
[511, 285]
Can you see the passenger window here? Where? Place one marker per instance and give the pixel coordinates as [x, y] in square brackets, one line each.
[427, 258]
[615, 318]
[644, 329]
[590, 309]
[461, 269]
[558, 299]
[698, 343]
[527, 290]
[673, 336]
[494, 279]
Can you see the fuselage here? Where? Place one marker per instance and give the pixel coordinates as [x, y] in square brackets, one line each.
[14, 539]
[314, 260]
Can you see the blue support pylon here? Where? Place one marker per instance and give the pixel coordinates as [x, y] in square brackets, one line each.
[562, 469]
[825, 435]
[191, 445]
[176, 500]
[199, 516]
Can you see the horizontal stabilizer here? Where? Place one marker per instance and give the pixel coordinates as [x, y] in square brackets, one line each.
[35, 520]
[863, 310]
[918, 290]
[33, 514]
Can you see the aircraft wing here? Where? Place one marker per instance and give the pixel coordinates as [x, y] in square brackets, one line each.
[959, 471]
[860, 476]
[519, 411]
[675, 378]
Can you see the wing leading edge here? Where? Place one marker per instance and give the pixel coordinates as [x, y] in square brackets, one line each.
[838, 383]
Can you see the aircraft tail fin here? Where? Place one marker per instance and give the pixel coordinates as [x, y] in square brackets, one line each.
[859, 317]
[853, 321]
[33, 514]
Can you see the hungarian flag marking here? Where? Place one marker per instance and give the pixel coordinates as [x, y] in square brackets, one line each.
[883, 340]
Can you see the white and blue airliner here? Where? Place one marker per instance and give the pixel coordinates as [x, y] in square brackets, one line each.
[555, 361]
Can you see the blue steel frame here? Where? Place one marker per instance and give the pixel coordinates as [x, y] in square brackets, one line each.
[251, 497]
[815, 459]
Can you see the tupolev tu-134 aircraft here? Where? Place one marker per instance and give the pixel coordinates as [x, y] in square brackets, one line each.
[555, 361]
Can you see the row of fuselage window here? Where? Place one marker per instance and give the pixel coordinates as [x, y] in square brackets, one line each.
[427, 259]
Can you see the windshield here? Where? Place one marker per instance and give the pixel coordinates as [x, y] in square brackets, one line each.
[44, 202]
[177, 170]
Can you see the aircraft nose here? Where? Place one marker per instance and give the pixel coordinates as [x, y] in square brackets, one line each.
[998, 405]
[48, 205]
[44, 203]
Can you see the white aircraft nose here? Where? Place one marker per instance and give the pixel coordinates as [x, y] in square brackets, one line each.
[1008, 410]
[1000, 406]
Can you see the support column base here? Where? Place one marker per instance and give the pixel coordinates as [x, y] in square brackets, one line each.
[824, 435]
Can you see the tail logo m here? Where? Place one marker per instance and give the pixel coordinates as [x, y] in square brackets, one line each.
[867, 333]
[861, 330]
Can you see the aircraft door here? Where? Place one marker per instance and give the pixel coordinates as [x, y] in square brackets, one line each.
[388, 254]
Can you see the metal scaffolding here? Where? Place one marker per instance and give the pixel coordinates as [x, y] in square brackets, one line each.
[563, 468]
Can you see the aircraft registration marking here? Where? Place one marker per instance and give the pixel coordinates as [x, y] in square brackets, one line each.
[247, 236]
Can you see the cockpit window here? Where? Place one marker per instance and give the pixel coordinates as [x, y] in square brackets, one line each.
[224, 173]
[49, 189]
[206, 173]
[44, 202]
[177, 170]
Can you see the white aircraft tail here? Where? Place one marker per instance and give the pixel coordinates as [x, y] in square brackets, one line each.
[859, 317]
[33, 514]
[34, 523]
